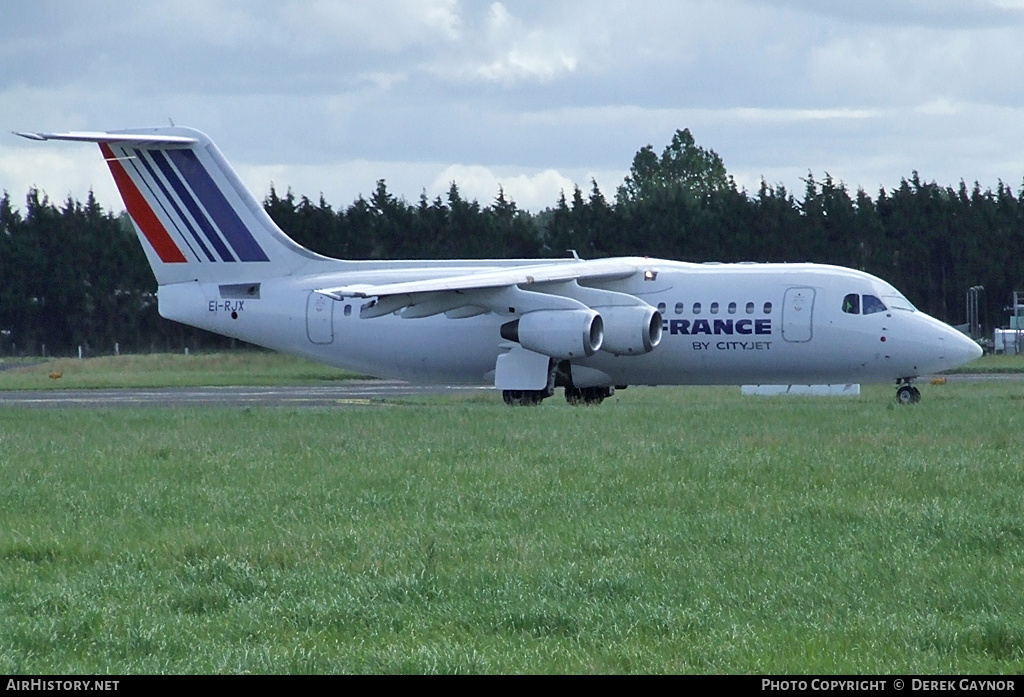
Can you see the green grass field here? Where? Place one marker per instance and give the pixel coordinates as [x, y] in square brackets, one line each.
[669, 530]
[215, 369]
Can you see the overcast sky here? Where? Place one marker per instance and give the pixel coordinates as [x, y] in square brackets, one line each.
[535, 96]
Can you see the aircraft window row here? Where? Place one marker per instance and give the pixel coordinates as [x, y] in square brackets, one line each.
[854, 304]
[715, 308]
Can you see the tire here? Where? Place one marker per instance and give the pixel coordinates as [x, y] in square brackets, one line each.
[906, 395]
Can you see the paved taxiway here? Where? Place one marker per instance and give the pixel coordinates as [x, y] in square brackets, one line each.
[344, 393]
[348, 392]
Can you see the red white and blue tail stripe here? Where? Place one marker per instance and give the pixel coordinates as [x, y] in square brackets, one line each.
[195, 218]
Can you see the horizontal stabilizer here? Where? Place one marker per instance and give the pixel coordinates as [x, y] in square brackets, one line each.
[108, 137]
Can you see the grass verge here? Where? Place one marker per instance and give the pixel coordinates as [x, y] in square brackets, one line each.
[670, 530]
[218, 369]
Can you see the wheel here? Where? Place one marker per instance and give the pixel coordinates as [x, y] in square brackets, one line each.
[573, 395]
[596, 395]
[587, 395]
[523, 398]
[908, 394]
[514, 398]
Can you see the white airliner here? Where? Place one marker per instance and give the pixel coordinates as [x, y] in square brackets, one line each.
[525, 326]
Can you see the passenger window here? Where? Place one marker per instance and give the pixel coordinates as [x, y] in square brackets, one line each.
[348, 310]
[851, 304]
[679, 308]
[696, 308]
[732, 308]
[750, 308]
[873, 305]
[767, 308]
[714, 308]
[661, 308]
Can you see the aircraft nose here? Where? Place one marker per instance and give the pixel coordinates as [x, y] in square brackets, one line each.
[958, 348]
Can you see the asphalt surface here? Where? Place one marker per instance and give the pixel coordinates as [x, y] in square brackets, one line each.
[352, 392]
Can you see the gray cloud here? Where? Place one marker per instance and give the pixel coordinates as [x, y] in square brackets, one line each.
[537, 93]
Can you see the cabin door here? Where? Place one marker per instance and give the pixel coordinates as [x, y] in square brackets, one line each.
[319, 319]
[797, 314]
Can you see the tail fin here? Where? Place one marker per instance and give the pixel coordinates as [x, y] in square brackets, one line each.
[194, 217]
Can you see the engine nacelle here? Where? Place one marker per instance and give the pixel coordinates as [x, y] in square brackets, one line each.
[558, 333]
[630, 330]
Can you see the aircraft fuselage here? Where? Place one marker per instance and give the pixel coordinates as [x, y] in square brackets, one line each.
[721, 324]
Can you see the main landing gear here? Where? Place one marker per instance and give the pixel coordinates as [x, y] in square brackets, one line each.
[907, 393]
[531, 398]
[573, 395]
[559, 375]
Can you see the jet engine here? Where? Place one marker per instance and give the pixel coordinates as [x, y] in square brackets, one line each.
[558, 333]
[630, 330]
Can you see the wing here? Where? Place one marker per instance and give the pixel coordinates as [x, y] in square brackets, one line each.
[462, 295]
[548, 307]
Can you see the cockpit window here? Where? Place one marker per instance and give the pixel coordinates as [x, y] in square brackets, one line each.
[851, 304]
[898, 302]
[873, 305]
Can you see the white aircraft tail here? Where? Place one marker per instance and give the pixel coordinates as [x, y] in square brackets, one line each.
[194, 217]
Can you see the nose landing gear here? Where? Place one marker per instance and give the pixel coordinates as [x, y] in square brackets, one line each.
[907, 393]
